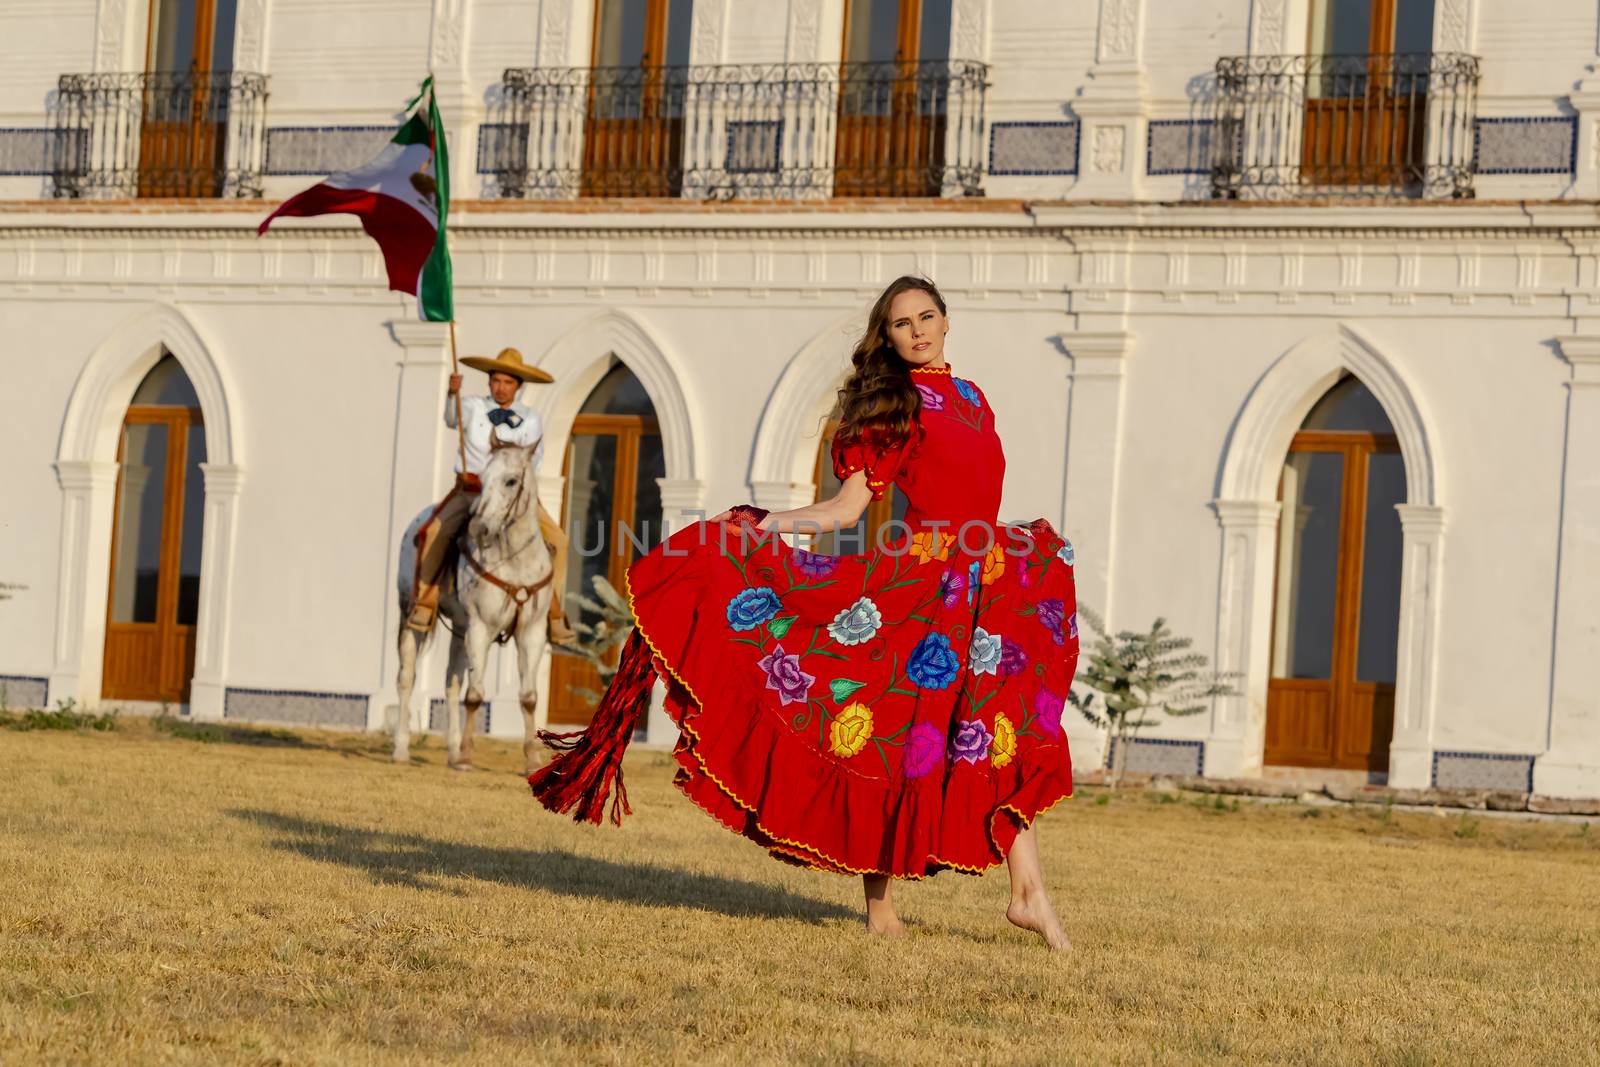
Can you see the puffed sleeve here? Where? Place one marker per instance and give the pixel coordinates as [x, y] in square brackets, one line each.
[872, 454]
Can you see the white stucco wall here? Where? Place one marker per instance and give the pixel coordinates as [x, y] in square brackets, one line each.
[1119, 340]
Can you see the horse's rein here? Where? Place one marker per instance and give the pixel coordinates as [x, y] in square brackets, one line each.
[519, 594]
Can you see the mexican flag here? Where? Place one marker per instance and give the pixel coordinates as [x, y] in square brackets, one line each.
[402, 199]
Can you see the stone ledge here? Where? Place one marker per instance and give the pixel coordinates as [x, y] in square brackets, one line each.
[1462, 799]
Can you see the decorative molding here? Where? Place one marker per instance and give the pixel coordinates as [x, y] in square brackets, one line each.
[1094, 406]
[1266, 27]
[554, 27]
[786, 441]
[1119, 31]
[805, 31]
[706, 36]
[447, 39]
[969, 32]
[250, 36]
[1452, 26]
[580, 358]
[110, 31]
[1286, 392]
[1107, 144]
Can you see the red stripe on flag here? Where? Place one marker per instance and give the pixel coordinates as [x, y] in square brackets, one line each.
[403, 233]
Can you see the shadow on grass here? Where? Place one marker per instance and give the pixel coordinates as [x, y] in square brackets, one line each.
[214, 733]
[416, 861]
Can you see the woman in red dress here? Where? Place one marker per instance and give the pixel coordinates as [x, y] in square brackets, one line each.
[889, 714]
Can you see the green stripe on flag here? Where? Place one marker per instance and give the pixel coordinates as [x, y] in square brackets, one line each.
[415, 131]
[436, 300]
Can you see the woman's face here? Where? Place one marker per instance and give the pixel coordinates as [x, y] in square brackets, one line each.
[916, 327]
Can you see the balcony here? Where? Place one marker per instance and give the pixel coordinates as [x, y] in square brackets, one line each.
[766, 132]
[178, 134]
[1347, 126]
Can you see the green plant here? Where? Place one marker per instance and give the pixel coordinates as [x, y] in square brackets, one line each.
[1468, 827]
[64, 717]
[1131, 677]
[598, 639]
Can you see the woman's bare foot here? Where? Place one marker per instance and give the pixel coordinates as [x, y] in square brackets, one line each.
[1032, 911]
[892, 927]
[881, 918]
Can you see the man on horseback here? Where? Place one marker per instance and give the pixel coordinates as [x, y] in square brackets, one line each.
[496, 419]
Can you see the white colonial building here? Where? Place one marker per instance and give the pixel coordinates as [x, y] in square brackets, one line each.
[1289, 309]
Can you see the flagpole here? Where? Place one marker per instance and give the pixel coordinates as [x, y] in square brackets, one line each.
[461, 428]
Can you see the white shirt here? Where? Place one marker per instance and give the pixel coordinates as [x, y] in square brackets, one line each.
[475, 413]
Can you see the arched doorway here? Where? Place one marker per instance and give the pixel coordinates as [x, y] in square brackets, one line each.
[1336, 603]
[156, 541]
[612, 511]
[865, 534]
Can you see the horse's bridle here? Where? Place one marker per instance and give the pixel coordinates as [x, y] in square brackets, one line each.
[519, 594]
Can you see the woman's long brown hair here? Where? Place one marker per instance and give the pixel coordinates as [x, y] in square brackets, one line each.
[879, 396]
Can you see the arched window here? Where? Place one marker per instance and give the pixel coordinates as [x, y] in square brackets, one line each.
[155, 546]
[612, 510]
[865, 534]
[1336, 612]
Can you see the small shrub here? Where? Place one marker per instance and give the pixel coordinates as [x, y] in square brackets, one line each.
[1468, 828]
[1132, 677]
[66, 716]
[1102, 800]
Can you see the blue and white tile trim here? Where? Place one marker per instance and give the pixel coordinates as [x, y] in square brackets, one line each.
[1151, 755]
[297, 708]
[436, 716]
[1178, 146]
[24, 691]
[34, 151]
[1033, 148]
[1526, 145]
[1496, 771]
[323, 150]
[500, 141]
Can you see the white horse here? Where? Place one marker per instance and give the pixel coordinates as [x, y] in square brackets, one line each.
[502, 585]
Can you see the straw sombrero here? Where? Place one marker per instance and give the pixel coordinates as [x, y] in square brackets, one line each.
[509, 361]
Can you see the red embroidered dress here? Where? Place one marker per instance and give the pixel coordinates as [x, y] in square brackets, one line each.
[895, 712]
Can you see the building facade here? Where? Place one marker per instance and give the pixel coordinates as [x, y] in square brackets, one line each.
[1288, 309]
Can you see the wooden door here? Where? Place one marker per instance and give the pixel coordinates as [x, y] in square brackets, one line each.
[1330, 700]
[155, 555]
[1366, 98]
[611, 466]
[892, 120]
[183, 125]
[633, 129]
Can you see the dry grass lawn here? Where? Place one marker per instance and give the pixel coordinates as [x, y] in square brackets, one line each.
[292, 898]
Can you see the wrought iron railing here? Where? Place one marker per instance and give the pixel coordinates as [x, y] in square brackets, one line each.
[185, 134]
[1351, 125]
[779, 131]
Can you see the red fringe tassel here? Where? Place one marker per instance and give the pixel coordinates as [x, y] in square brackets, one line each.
[579, 779]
